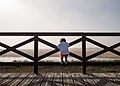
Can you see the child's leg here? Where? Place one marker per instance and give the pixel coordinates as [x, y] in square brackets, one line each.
[61, 58]
[66, 56]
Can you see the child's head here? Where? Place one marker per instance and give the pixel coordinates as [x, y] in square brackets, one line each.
[62, 40]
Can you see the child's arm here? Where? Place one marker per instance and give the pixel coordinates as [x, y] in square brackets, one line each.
[58, 46]
[68, 44]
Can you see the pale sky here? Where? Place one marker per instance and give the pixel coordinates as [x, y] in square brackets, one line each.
[59, 15]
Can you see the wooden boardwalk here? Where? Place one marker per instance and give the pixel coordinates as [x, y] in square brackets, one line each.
[60, 79]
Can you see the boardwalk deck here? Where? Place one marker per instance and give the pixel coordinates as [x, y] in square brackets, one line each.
[60, 79]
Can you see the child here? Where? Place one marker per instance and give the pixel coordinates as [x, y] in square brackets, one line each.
[63, 47]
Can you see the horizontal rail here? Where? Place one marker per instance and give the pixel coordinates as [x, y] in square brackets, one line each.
[59, 34]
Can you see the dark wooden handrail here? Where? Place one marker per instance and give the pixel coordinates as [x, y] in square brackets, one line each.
[36, 38]
[59, 33]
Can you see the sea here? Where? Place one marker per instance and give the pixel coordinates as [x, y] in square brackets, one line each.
[52, 59]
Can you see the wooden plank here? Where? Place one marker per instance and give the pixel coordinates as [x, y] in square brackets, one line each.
[96, 54]
[3, 52]
[14, 78]
[47, 54]
[4, 76]
[88, 80]
[8, 48]
[75, 41]
[115, 52]
[23, 43]
[113, 78]
[67, 79]
[118, 75]
[38, 79]
[9, 79]
[84, 54]
[97, 79]
[36, 55]
[48, 80]
[47, 43]
[95, 43]
[58, 79]
[19, 79]
[108, 77]
[105, 48]
[76, 56]
[44, 80]
[102, 81]
[27, 80]
[59, 33]
[41, 33]
[78, 81]
[117, 78]
[23, 54]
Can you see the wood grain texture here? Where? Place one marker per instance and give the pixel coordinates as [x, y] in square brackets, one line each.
[60, 79]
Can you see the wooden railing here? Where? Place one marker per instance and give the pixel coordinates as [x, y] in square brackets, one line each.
[36, 38]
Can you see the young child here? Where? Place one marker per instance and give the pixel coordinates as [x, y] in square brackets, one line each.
[63, 47]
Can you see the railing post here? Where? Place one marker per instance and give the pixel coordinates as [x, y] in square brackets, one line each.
[84, 54]
[36, 55]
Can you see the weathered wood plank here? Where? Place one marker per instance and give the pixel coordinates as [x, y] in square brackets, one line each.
[14, 79]
[102, 80]
[60, 79]
[59, 33]
[107, 77]
[19, 79]
[4, 76]
[9, 79]
[57, 81]
[96, 79]
[117, 79]
[27, 80]
[38, 79]
[118, 75]
[48, 80]
[78, 81]
[114, 81]
[67, 79]
[88, 80]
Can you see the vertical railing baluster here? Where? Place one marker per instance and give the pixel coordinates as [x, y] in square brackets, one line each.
[36, 55]
[84, 54]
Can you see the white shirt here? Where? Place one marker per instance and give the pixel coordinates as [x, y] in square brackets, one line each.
[63, 47]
